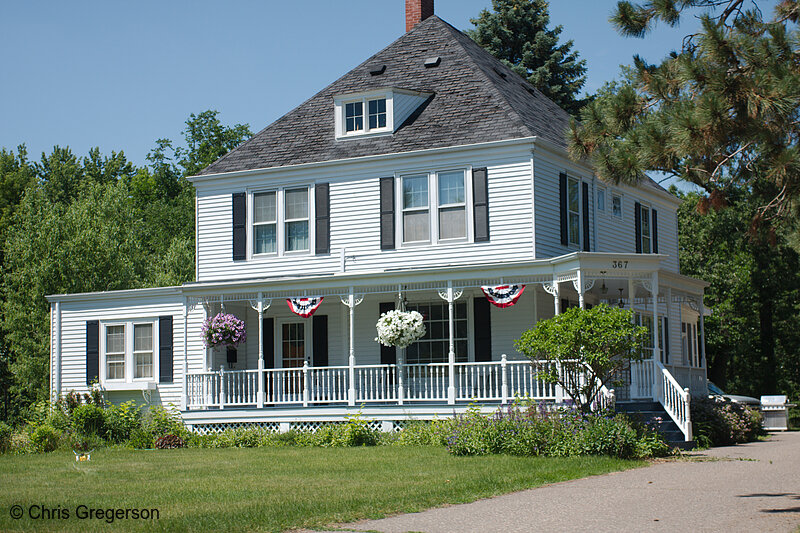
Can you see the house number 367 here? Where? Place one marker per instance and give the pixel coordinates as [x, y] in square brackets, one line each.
[619, 264]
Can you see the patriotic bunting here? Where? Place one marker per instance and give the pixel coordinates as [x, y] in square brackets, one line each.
[503, 295]
[304, 307]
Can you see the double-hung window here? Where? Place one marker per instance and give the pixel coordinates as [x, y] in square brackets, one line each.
[281, 221]
[616, 205]
[434, 346]
[265, 223]
[574, 211]
[129, 351]
[377, 113]
[647, 238]
[365, 115]
[601, 199]
[354, 116]
[434, 207]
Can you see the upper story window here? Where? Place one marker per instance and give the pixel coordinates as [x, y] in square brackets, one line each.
[365, 114]
[616, 205]
[354, 116]
[434, 207]
[574, 211]
[280, 221]
[646, 231]
[377, 113]
[601, 199]
[128, 351]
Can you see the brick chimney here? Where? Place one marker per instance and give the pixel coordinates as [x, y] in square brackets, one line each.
[417, 11]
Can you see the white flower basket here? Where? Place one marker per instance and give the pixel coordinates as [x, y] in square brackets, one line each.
[400, 328]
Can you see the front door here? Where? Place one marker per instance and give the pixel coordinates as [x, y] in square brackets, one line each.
[293, 354]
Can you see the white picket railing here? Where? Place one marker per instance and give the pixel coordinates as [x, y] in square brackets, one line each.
[642, 379]
[676, 401]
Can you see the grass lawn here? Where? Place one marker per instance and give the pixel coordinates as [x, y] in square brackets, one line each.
[265, 489]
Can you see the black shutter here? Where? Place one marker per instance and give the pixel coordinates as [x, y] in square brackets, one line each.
[562, 202]
[480, 198]
[564, 304]
[387, 213]
[586, 246]
[665, 336]
[165, 350]
[482, 318]
[322, 218]
[637, 217]
[320, 340]
[239, 214]
[654, 230]
[92, 351]
[268, 339]
[231, 355]
[388, 353]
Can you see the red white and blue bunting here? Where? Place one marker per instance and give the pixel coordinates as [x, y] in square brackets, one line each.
[304, 307]
[503, 295]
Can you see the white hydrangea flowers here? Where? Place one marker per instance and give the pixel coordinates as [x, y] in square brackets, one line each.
[400, 328]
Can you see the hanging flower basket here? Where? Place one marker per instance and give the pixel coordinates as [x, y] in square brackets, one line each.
[400, 328]
[223, 330]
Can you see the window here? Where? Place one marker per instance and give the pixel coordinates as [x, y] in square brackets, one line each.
[128, 351]
[601, 199]
[265, 231]
[143, 351]
[573, 211]
[689, 344]
[377, 113]
[616, 205]
[452, 206]
[646, 233]
[434, 207]
[281, 221]
[435, 345]
[354, 116]
[296, 220]
[115, 352]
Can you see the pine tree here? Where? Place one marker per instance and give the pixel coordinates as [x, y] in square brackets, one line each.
[516, 32]
[721, 113]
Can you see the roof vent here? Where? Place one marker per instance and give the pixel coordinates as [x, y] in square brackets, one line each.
[377, 70]
[432, 62]
[530, 89]
[499, 72]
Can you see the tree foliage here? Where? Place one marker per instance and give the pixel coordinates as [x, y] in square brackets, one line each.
[597, 343]
[516, 32]
[721, 113]
[96, 223]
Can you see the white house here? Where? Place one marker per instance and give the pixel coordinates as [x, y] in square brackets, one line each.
[425, 173]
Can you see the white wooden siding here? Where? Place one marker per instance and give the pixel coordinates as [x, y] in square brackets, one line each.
[354, 203]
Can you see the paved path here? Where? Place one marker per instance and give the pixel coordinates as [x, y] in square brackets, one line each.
[747, 488]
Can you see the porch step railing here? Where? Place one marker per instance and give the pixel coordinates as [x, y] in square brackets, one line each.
[676, 401]
[499, 381]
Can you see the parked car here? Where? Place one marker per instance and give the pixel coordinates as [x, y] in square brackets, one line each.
[747, 400]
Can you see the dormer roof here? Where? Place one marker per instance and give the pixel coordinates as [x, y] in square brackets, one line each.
[474, 98]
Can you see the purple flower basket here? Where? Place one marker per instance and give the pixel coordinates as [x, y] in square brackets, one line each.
[223, 330]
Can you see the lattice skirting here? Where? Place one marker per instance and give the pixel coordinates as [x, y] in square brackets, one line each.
[275, 427]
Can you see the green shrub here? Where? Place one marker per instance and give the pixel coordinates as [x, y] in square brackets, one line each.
[141, 439]
[418, 433]
[159, 421]
[5, 437]
[121, 420]
[21, 443]
[45, 438]
[720, 422]
[354, 432]
[89, 419]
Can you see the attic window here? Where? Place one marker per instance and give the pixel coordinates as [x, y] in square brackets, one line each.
[432, 62]
[375, 112]
[354, 116]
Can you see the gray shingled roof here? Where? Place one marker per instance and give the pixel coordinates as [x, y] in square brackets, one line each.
[475, 99]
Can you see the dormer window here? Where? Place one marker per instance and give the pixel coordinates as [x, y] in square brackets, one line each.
[378, 112]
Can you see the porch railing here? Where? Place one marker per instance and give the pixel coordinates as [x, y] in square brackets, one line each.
[676, 401]
[499, 381]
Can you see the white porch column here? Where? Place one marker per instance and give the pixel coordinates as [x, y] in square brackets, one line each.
[668, 314]
[631, 294]
[206, 309]
[351, 359]
[451, 354]
[654, 293]
[581, 293]
[556, 296]
[56, 370]
[185, 390]
[260, 398]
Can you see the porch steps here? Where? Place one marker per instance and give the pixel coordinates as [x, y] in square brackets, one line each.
[653, 413]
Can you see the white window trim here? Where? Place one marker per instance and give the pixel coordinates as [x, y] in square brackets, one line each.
[433, 207]
[129, 358]
[307, 337]
[280, 212]
[649, 218]
[364, 98]
[601, 191]
[621, 215]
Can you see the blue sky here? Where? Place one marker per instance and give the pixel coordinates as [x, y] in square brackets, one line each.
[120, 75]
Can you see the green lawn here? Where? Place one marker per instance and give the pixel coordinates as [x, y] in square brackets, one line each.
[265, 489]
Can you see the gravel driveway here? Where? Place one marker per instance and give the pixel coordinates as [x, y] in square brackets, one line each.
[747, 488]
